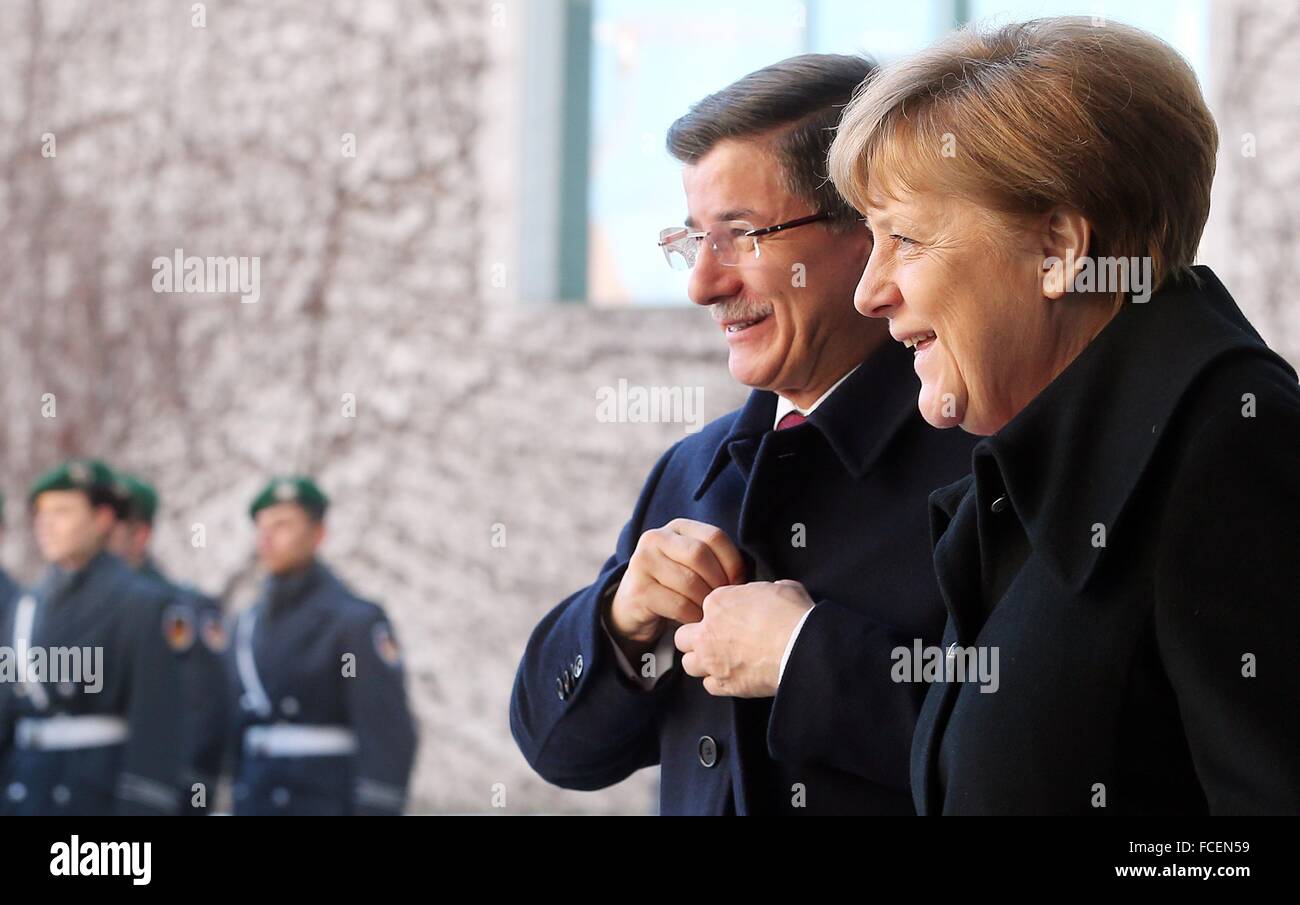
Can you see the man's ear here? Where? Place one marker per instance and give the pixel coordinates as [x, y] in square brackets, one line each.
[105, 519]
[1066, 237]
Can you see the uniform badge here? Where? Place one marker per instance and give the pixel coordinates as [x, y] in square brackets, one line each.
[178, 629]
[386, 644]
[212, 631]
[285, 492]
[79, 473]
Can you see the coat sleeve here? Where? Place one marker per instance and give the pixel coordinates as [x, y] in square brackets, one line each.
[6, 688]
[604, 726]
[1226, 610]
[207, 695]
[154, 758]
[232, 718]
[375, 697]
[837, 705]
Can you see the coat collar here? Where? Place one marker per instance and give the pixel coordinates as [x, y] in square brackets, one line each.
[1074, 456]
[150, 569]
[858, 419]
[785, 406]
[58, 583]
[285, 590]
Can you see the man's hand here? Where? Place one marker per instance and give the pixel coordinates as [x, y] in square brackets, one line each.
[738, 645]
[672, 571]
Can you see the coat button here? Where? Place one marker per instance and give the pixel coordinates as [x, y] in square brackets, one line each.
[577, 666]
[567, 678]
[289, 706]
[16, 791]
[999, 504]
[61, 794]
[560, 690]
[708, 751]
[280, 797]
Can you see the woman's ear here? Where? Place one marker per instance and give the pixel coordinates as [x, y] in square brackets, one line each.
[1066, 240]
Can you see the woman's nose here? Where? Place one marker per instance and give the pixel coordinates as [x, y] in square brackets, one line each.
[711, 281]
[877, 294]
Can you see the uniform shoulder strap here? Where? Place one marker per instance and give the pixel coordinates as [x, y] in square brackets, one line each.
[254, 697]
[24, 617]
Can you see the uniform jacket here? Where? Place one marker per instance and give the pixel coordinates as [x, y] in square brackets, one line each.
[104, 605]
[853, 481]
[197, 626]
[9, 589]
[1129, 545]
[321, 656]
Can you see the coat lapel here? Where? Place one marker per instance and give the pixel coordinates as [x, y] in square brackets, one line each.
[956, 565]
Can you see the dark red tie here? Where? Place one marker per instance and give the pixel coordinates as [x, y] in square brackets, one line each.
[791, 419]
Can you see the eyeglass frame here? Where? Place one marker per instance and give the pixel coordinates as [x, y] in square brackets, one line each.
[754, 233]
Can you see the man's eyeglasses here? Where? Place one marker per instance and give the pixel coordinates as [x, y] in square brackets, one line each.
[729, 240]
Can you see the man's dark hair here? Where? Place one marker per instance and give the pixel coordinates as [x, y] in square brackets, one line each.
[793, 106]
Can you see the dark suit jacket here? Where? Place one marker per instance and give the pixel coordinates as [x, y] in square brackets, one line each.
[1126, 668]
[856, 476]
[9, 589]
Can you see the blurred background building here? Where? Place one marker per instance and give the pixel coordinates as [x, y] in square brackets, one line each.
[453, 204]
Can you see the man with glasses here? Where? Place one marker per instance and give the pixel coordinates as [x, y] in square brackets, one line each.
[742, 636]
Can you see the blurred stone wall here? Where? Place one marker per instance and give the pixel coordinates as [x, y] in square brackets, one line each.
[131, 130]
[1253, 240]
[439, 413]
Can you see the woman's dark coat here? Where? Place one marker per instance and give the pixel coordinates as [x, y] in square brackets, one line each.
[1130, 545]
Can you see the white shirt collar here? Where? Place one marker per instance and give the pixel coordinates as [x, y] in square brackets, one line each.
[785, 406]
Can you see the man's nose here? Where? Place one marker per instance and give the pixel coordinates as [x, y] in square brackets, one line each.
[712, 282]
[877, 294]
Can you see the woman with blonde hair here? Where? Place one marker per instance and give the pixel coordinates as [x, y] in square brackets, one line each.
[1127, 542]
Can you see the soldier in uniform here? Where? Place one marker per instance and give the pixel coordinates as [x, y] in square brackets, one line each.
[196, 624]
[92, 723]
[8, 587]
[321, 725]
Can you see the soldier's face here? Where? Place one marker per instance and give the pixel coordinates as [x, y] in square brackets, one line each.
[130, 540]
[287, 537]
[69, 530]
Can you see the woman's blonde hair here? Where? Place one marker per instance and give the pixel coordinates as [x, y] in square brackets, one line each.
[1059, 112]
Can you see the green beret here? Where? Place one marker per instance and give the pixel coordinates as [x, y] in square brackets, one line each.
[139, 496]
[291, 489]
[89, 475]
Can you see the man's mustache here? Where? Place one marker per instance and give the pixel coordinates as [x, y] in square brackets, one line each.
[739, 309]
